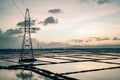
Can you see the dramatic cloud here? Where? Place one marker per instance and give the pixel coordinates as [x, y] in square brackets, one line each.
[10, 38]
[22, 23]
[49, 20]
[10, 33]
[13, 31]
[55, 11]
[32, 22]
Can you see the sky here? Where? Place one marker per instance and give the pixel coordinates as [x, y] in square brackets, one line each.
[62, 22]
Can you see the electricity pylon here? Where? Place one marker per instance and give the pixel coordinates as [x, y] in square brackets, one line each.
[26, 54]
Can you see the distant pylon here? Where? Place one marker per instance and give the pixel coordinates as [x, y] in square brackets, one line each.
[26, 54]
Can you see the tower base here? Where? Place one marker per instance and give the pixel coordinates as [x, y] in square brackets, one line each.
[27, 60]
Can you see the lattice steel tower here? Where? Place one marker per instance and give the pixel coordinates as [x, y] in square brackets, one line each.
[26, 54]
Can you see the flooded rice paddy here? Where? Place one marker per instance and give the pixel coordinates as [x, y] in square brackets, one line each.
[78, 65]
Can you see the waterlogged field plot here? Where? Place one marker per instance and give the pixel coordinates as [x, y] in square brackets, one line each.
[20, 75]
[76, 65]
[86, 66]
[113, 74]
[7, 62]
[73, 67]
[50, 60]
[112, 61]
[70, 58]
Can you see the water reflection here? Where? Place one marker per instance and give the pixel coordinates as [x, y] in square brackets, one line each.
[25, 75]
[113, 74]
[72, 67]
[20, 75]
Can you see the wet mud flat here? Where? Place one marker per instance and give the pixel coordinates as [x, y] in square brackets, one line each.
[66, 64]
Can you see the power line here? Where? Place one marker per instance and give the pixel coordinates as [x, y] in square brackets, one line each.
[17, 7]
[24, 3]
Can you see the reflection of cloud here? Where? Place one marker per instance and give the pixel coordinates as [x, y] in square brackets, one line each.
[55, 11]
[49, 20]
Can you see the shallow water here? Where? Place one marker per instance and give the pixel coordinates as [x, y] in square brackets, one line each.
[51, 60]
[113, 74]
[7, 62]
[113, 61]
[71, 67]
[20, 75]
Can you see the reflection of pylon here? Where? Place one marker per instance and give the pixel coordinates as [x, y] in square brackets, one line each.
[25, 75]
[27, 49]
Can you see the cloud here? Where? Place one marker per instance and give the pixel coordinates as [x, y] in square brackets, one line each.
[98, 46]
[96, 1]
[13, 31]
[32, 22]
[100, 38]
[103, 1]
[91, 9]
[54, 45]
[22, 23]
[55, 11]
[34, 29]
[1, 32]
[86, 1]
[49, 20]
[77, 40]
[89, 40]
[116, 38]
[10, 33]
[10, 38]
